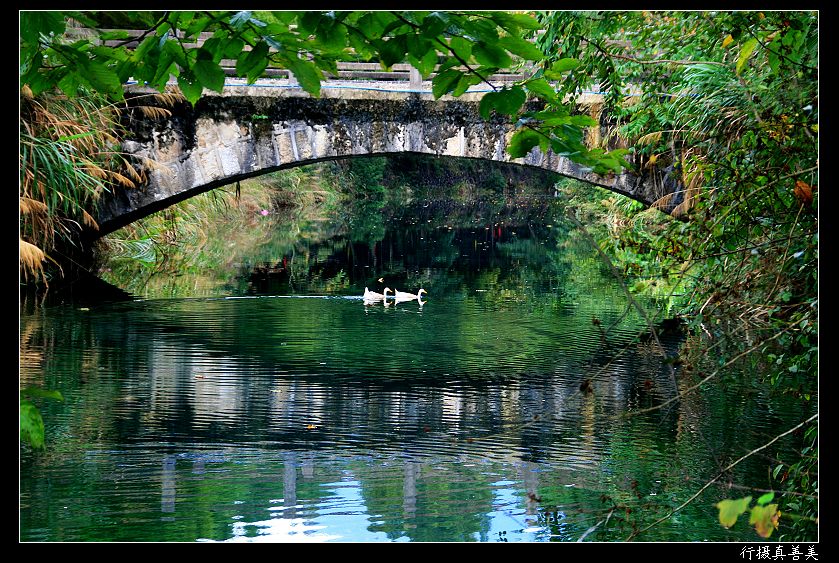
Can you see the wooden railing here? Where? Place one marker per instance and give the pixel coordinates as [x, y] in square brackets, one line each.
[346, 70]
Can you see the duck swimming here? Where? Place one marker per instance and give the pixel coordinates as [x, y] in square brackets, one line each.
[404, 296]
[373, 296]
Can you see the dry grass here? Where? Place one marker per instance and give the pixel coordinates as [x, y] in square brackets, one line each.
[69, 156]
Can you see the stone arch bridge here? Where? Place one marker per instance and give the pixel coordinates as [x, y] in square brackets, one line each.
[247, 131]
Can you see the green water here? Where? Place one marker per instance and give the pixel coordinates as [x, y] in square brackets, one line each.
[274, 404]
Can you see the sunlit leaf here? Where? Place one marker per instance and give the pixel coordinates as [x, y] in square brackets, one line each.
[561, 66]
[731, 509]
[583, 121]
[113, 34]
[511, 21]
[464, 83]
[31, 424]
[426, 64]
[745, 52]
[728, 39]
[521, 47]
[103, 79]
[233, 48]
[541, 88]
[766, 498]
[765, 519]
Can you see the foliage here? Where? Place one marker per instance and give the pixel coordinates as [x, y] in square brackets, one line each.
[762, 515]
[460, 49]
[724, 104]
[68, 158]
[31, 422]
[728, 103]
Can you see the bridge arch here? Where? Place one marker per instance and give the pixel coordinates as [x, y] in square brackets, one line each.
[249, 131]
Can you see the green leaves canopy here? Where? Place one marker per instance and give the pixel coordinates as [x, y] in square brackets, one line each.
[457, 49]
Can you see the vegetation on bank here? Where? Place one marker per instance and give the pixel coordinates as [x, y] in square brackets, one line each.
[724, 104]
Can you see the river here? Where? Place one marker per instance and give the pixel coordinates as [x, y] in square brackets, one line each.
[516, 402]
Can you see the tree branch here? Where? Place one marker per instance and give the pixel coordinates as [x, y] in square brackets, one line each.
[726, 469]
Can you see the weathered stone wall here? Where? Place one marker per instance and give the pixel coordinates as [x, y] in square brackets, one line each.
[247, 132]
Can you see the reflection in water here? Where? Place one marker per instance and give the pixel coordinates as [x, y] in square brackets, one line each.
[284, 409]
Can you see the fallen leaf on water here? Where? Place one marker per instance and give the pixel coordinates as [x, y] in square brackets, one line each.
[310, 427]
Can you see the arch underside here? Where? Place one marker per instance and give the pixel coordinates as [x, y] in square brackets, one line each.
[226, 140]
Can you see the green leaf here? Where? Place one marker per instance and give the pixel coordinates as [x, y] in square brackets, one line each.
[507, 101]
[69, 84]
[511, 22]
[212, 49]
[523, 141]
[143, 48]
[333, 37]
[561, 66]
[434, 24]
[369, 25]
[461, 47]
[190, 87]
[541, 88]
[177, 53]
[464, 83]
[307, 75]
[115, 34]
[209, 74]
[308, 23]
[583, 121]
[31, 424]
[165, 68]
[491, 55]
[731, 509]
[197, 26]
[327, 65]
[37, 391]
[102, 79]
[34, 23]
[233, 48]
[418, 46]
[524, 49]
[745, 52]
[766, 498]
[252, 63]
[359, 43]
[445, 82]
[426, 64]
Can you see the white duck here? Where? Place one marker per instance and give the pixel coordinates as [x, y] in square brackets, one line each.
[405, 296]
[373, 296]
